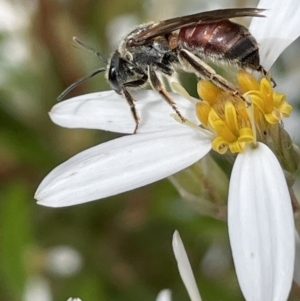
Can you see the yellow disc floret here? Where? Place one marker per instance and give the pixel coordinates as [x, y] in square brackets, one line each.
[269, 103]
[227, 116]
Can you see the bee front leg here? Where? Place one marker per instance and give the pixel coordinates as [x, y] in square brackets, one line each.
[158, 86]
[134, 84]
[204, 71]
[130, 101]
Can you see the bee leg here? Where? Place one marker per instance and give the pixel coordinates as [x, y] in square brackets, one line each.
[130, 101]
[165, 69]
[137, 83]
[204, 71]
[157, 85]
[265, 73]
[134, 84]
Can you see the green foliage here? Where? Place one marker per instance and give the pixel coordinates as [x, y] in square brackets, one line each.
[15, 237]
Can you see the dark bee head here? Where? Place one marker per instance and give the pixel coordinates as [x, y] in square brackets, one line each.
[122, 71]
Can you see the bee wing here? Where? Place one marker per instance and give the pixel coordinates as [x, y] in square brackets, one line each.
[167, 26]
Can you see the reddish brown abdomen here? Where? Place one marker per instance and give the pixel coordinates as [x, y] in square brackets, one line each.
[220, 40]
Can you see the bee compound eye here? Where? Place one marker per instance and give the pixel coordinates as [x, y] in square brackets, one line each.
[113, 80]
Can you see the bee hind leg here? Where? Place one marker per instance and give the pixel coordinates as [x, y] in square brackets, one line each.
[204, 71]
[266, 74]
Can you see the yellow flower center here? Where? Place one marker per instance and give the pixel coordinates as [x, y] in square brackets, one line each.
[228, 118]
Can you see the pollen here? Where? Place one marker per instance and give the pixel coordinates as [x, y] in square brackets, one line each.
[229, 118]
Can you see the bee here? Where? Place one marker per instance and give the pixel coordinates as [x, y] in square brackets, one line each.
[186, 43]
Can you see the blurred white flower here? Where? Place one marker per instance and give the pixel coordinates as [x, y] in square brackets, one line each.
[63, 260]
[119, 27]
[37, 288]
[164, 295]
[12, 16]
[216, 260]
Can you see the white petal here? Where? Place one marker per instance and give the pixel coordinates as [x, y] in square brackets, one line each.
[122, 164]
[278, 30]
[110, 111]
[261, 226]
[164, 295]
[184, 268]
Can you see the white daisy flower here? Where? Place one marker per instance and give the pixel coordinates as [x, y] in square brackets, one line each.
[260, 216]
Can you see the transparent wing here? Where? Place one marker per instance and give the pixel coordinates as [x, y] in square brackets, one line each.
[167, 26]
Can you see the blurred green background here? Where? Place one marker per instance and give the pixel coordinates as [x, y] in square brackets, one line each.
[114, 249]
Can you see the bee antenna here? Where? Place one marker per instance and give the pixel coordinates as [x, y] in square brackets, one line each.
[78, 82]
[89, 48]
